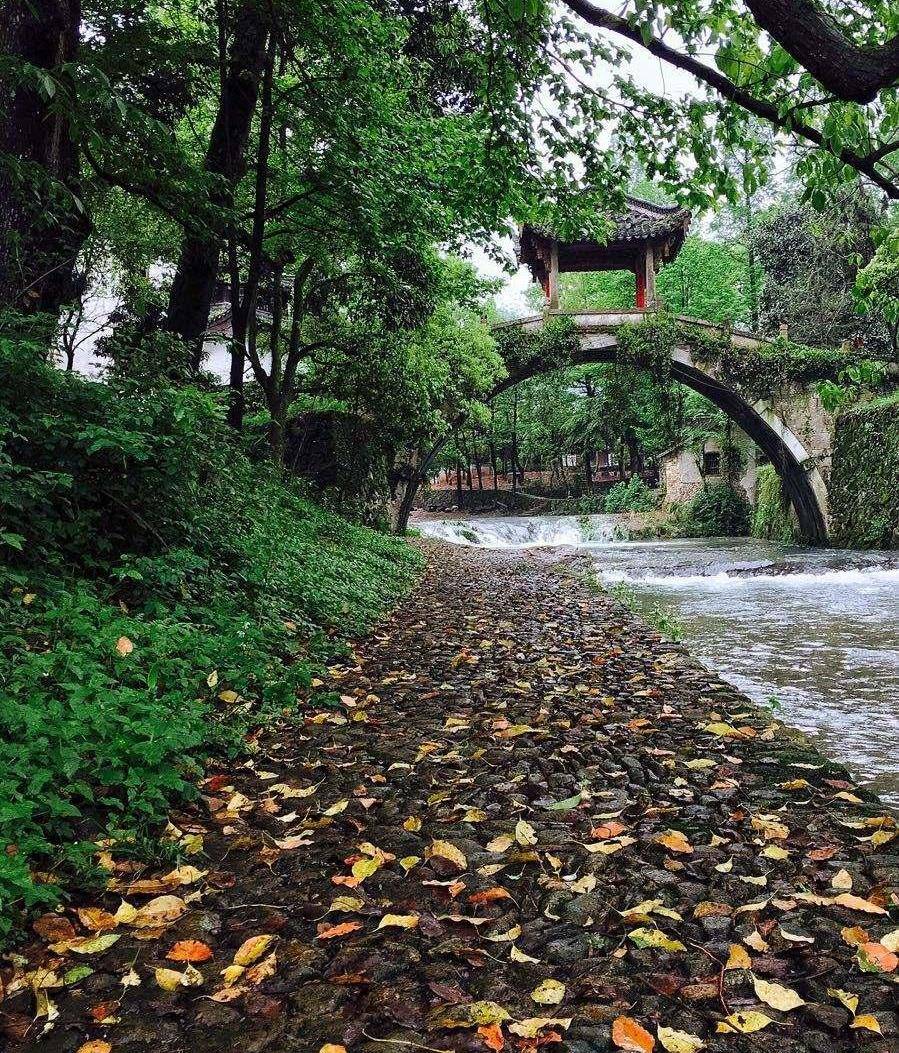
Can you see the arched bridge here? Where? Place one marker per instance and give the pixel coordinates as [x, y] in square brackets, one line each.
[791, 428]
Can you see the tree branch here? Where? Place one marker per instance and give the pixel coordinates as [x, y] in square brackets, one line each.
[725, 87]
[853, 72]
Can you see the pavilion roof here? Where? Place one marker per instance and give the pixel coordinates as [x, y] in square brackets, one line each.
[641, 224]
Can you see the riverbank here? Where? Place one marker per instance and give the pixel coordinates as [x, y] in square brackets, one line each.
[515, 815]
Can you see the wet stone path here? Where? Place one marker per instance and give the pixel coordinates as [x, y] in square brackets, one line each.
[515, 818]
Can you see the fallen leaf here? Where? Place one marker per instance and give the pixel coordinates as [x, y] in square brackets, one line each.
[875, 958]
[189, 951]
[628, 1034]
[744, 1022]
[330, 932]
[492, 1034]
[525, 834]
[846, 899]
[777, 996]
[95, 1045]
[674, 841]
[868, 1022]
[644, 937]
[532, 1026]
[445, 850]
[160, 911]
[738, 958]
[679, 1041]
[254, 947]
[550, 992]
[399, 921]
[845, 998]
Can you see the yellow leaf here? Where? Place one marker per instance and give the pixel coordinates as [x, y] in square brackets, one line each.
[408, 862]
[96, 1045]
[213, 679]
[644, 937]
[846, 899]
[868, 1022]
[525, 834]
[774, 852]
[770, 827]
[674, 841]
[845, 998]
[447, 851]
[168, 979]
[364, 868]
[550, 992]
[159, 911]
[332, 1047]
[505, 937]
[519, 956]
[348, 904]
[532, 1026]
[252, 949]
[776, 995]
[745, 1022]
[500, 844]
[412, 824]
[232, 973]
[86, 944]
[399, 921]
[475, 1014]
[738, 958]
[336, 809]
[678, 1041]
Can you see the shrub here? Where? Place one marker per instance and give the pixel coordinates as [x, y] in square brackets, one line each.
[716, 511]
[632, 496]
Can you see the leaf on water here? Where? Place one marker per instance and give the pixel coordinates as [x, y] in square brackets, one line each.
[549, 992]
[776, 995]
[629, 1035]
[679, 1041]
[254, 947]
[744, 1022]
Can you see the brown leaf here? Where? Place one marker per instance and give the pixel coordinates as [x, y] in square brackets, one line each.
[330, 932]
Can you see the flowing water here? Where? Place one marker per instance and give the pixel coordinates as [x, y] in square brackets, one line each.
[814, 630]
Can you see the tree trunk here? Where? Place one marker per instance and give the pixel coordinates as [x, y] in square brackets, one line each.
[458, 484]
[41, 229]
[193, 287]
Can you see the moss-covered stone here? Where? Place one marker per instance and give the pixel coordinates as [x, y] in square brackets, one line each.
[773, 517]
[864, 482]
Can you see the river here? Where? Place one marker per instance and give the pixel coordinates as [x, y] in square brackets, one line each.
[813, 632]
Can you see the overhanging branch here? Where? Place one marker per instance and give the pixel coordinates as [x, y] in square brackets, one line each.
[725, 87]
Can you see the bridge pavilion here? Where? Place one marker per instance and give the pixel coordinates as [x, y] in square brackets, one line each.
[645, 237]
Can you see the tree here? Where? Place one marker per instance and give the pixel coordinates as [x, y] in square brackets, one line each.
[851, 123]
[42, 217]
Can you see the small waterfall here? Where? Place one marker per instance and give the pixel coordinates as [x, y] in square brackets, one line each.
[526, 532]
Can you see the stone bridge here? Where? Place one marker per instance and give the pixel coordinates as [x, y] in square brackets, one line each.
[791, 428]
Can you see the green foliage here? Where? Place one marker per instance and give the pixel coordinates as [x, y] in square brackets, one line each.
[718, 510]
[864, 479]
[772, 517]
[131, 513]
[631, 496]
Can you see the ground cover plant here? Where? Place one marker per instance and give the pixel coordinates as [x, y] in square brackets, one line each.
[161, 595]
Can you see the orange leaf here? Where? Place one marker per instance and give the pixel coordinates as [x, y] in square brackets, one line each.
[607, 830]
[95, 1045]
[880, 956]
[329, 932]
[189, 951]
[492, 1036]
[488, 896]
[628, 1034]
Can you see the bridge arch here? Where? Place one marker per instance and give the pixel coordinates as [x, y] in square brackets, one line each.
[597, 339]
